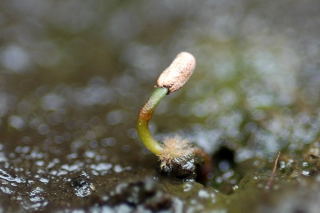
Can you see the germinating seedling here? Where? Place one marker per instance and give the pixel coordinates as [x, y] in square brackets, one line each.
[177, 155]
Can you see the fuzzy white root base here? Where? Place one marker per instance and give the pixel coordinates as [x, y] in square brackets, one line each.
[176, 150]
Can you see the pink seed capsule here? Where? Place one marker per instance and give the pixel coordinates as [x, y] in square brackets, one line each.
[178, 73]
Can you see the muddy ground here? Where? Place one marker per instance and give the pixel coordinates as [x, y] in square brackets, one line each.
[73, 75]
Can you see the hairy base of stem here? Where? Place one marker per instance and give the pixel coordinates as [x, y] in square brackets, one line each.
[178, 156]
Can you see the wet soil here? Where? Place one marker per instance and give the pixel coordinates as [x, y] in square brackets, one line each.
[73, 76]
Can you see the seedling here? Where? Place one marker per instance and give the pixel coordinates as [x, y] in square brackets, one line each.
[177, 156]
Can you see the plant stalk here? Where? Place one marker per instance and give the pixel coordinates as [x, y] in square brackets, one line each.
[145, 116]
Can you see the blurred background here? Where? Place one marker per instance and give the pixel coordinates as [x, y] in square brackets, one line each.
[73, 75]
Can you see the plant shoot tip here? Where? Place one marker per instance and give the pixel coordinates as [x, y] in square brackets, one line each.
[178, 73]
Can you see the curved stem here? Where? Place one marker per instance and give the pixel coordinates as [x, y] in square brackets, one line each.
[144, 117]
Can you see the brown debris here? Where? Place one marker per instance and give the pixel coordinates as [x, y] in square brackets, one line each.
[270, 181]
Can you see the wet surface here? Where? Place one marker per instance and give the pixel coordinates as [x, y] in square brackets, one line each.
[73, 76]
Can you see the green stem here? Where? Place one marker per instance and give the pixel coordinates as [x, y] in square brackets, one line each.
[144, 117]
